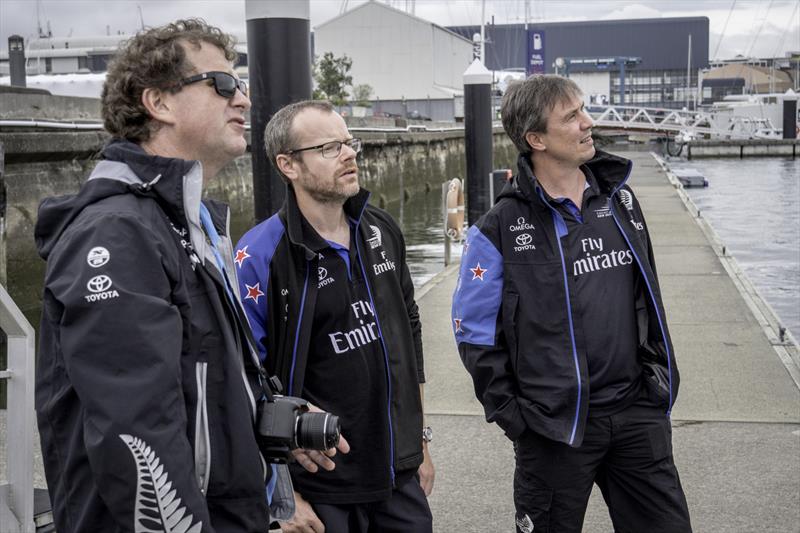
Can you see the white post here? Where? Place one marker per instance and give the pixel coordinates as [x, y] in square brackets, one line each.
[688, 71]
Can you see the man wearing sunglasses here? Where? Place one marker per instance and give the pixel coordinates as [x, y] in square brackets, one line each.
[328, 293]
[147, 379]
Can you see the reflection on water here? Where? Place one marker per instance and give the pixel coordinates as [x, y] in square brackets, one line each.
[422, 221]
[754, 206]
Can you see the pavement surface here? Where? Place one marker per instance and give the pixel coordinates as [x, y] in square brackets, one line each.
[736, 424]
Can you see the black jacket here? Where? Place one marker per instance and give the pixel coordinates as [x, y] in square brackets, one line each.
[283, 265]
[145, 379]
[512, 315]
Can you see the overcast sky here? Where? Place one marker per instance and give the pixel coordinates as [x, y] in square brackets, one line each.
[754, 28]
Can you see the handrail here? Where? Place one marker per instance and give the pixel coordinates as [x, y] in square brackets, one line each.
[16, 498]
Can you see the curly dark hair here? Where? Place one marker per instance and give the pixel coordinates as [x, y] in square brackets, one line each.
[153, 58]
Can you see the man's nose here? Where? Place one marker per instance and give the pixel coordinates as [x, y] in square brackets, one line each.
[240, 99]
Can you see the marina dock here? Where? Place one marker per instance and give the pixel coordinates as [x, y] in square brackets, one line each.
[736, 423]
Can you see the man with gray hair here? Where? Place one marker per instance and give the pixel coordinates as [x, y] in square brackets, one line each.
[558, 317]
[329, 296]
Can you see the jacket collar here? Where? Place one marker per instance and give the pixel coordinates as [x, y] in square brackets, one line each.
[610, 172]
[176, 183]
[301, 232]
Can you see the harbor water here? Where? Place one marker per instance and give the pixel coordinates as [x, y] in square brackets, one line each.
[754, 206]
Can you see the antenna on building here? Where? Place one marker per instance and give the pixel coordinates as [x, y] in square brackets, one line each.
[141, 18]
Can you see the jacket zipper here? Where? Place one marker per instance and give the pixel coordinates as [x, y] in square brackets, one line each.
[649, 291]
[202, 440]
[386, 359]
[290, 388]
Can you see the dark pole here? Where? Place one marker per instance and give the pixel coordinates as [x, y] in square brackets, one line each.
[621, 61]
[279, 65]
[790, 115]
[478, 138]
[16, 60]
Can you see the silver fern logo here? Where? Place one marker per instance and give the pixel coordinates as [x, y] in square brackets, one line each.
[627, 199]
[525, 524]
[158, 509]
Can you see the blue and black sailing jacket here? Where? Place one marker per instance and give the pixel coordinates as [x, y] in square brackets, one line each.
[513, 309]
[279, 278]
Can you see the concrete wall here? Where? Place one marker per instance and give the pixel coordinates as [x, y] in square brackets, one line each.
[744, 148]
[16, 104]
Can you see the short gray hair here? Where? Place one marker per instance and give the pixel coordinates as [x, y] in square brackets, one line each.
[279, 137]
[527, 104]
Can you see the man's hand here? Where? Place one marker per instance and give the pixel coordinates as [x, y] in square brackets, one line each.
[311, 460]
[426, 471]
[305, 520]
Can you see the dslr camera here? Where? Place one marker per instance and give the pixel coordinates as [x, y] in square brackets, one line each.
[285, 423]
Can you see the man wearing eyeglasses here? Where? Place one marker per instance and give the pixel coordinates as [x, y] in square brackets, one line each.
[328, 293]
[147, 378]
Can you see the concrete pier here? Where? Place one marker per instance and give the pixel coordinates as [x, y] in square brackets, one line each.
[736, 424]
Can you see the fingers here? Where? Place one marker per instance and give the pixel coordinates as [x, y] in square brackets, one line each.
[311, 460]
[343, 445]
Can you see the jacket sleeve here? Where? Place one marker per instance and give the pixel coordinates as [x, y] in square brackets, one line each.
[477, 324]
[253, 256]
[108, 287]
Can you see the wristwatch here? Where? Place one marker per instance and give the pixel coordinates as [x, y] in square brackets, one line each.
[427, 434]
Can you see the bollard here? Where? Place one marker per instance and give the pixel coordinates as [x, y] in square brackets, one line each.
[279, 65]
[790, 125]
[477, 137]
[16, 60]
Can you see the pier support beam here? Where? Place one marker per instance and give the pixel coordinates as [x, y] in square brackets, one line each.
[478, 138]
[790, 115]
[279, 63]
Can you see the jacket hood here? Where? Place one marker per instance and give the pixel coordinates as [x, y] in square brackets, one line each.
[125, 169]
[611, 172]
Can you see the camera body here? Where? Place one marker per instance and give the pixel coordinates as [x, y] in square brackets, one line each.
[285, 423]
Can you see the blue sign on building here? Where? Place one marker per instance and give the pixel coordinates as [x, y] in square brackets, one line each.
[535, 62]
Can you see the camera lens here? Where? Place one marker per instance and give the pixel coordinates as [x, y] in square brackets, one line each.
[317, 431]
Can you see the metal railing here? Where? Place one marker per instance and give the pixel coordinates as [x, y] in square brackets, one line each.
[16, 497]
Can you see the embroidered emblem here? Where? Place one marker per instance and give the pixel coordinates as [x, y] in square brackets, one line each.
[241, 255]
[525, 524]
[98, 256]
[254, 292]
[457, 322]
[157, 509]
[478, 272]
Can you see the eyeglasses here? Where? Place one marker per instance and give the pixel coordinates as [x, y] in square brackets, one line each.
[331, 150]
[224, 83]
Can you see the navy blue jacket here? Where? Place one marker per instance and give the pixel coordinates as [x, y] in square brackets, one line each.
[278, 276]
[512, 312]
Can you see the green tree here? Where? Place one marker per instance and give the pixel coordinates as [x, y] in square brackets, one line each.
[331, 75]
[362, 93]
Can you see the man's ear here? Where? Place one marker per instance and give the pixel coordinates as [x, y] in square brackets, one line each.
[158, 104]
[535, 141]
[287, 165]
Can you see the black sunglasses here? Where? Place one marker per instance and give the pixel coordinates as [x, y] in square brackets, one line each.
[224, 83]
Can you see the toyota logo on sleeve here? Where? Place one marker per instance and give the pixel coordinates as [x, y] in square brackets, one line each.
[99, 283]
[100, 287]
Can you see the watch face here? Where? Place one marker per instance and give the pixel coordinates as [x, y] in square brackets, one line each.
[427, 434]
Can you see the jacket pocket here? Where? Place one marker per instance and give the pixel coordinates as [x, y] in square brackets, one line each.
[202, 439]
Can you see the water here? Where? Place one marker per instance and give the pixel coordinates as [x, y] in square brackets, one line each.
[754, 206]
[422, 221]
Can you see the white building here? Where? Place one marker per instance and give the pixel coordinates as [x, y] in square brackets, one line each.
[401, 56]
